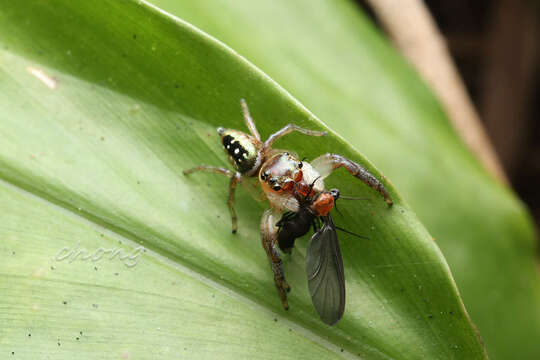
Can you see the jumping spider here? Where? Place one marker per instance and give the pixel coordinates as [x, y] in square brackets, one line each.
[296, 187]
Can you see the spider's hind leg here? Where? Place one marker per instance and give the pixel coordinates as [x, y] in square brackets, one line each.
[235, 178]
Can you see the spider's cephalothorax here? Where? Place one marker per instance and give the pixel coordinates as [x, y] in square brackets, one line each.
[286, 180]
[289, 185]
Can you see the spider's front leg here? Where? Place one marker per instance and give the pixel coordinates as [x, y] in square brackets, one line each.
[235, 177]
[270, 245]
[327, 163]
[287, 130]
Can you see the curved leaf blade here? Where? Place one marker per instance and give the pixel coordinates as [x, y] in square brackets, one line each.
[330, 57]
[136, 99]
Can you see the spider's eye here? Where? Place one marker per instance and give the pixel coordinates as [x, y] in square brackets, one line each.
[264, 175]
[272, 181]
[300, 164]
[276, 188]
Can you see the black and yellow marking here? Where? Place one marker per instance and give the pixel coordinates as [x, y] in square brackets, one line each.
[241, 150]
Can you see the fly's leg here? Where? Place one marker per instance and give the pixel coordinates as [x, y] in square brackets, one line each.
[235, 177]
[287, 130]
[249, 121]
[327, 163]
[269, 242]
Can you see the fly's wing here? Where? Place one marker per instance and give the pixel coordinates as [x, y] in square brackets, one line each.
[324, 268]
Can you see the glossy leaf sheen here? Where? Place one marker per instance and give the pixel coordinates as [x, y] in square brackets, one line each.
[330, 57]
[103, 105]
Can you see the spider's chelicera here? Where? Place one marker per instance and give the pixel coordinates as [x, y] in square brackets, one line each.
[295, 189]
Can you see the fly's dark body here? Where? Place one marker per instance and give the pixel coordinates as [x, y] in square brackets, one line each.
[294, 225]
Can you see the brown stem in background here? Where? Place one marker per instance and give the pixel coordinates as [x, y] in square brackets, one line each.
[416, 35]
[510, 63]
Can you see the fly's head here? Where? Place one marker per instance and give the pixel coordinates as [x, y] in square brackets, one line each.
[281, 173]
[244, 150]
[324, 202]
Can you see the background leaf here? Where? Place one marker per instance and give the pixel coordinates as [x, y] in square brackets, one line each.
[103, 106]
[330, 57]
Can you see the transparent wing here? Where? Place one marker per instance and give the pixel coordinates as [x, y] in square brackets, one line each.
[324, 268]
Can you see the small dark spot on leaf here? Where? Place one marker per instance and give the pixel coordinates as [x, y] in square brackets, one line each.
[138, 182]
[275, 319]
[95, 306]
[451, 312]
[124, 54]
[176, 86]
[95, 268]
[13, 253]
[134, 36]
[402, 289]
[13, 353]
[101, 235]
[430, 316]
[64, 302]
[80, 332]
[58, 344]
[52, 268]
[29, 335]
[290, 329]
[77, 338]
[341, 350]
[116, 274]
[101, 138]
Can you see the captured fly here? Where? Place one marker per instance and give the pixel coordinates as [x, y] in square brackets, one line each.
[324, 265]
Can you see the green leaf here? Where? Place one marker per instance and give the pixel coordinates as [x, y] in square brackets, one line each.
[103, 106]
[329, 56]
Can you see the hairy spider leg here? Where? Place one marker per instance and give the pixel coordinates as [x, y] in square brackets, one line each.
[270, 245]
[235, 178]
[287, 129]
[249, 121]
[327, 163]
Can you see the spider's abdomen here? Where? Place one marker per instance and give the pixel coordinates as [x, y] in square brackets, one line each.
[242, 150]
